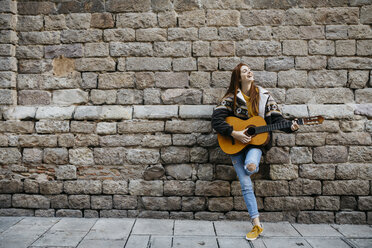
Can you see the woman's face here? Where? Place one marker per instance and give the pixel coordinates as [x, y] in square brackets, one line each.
[246, 74]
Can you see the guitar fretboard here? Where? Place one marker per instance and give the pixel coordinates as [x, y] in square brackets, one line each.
[276, 126]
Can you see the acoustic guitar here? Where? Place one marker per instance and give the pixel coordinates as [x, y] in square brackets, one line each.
[258, 130]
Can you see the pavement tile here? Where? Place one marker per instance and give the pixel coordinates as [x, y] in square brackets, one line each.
[362, 243]
[194, 242]
[279, 229]
[6, 222]
[193, 227]
[153, 226]
[160, 241]
[25, 232]
[232, 228]
[74, 224]
[285, 242]
[57, 237]
[225, 242]
[356, 231]
[111, 228]
[138, 241]
[326, 242]
[308, 230]
[89, 243]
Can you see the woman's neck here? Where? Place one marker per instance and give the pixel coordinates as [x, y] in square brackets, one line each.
[246, 86]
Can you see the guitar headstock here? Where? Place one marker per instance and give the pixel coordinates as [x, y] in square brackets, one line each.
[313, 120]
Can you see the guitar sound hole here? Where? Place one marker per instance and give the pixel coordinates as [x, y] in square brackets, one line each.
[251, 131]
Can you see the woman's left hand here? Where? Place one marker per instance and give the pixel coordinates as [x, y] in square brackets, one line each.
[294, 126]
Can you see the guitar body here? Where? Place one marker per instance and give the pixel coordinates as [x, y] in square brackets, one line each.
[226, 142]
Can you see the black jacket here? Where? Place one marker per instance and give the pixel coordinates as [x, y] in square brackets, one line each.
[268, 109]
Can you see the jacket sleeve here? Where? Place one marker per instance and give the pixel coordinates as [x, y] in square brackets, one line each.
[219, 124]
[274, 113]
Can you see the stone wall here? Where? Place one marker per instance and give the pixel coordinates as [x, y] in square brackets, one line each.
[106, 106]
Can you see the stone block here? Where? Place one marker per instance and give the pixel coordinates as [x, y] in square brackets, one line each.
[125, 202]
[155, 112]
[82, 187]
[81, 156]
[151, 34]
[331, 203]
[283, 171]
[66, 172]
[292, 79]
[188, 126]
[109, 156]
[58, 113]
[78, 20]
[55, 156]
[69, 97]
[30, 201]
[271, 188]
[345, 47]
[37, 140]
[130, 96]
[289, 203]
[79, 201]
[167, 19]
[96, 50]
[146, 188]
[51, 187]
[358, 79]
[262, 17]
[279, 63]
[334, 111]
[311, 62]
[55, 22]
[136, 20]
[136, 49]
[346, 187]
[52, 126]
[350, 63]
[256, 48]
[213, 188]
[174, 154]
[9, 156]
[119, 34]
[337, 15]
[101, 202]
[102, 20]
[148, 64]
[360, 153]
[32, 155]
[182, 34]
[26, 52]
[34, 97]
[8, 97]
[301, 186]
[321, 47]
[162, 203]
[95, 64]
[295, 47]
[39, 38]
[19, 113]
[103, 96]
[81, 36]
[140, 126]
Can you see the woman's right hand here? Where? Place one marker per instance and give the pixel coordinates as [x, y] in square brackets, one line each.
[239, 135]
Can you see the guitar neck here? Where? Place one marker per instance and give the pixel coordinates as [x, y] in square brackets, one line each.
[276, 126]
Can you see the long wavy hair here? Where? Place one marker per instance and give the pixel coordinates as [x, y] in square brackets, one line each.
[236, 82]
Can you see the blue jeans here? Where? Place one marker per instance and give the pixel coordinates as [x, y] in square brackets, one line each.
[240, 160]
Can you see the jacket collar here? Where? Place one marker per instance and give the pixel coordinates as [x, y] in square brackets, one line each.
[264, 95]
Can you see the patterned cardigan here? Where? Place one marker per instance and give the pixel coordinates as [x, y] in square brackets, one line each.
[267, 109]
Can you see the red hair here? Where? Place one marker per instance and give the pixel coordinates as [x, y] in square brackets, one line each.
[236, 82]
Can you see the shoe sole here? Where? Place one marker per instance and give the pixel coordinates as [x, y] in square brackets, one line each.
[253, 238]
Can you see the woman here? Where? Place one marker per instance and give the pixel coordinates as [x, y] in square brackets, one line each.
[244, 99]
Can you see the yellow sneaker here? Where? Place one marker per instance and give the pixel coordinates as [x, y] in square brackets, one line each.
[254, 233]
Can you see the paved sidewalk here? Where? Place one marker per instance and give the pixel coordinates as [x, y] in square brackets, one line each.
[40, 232]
